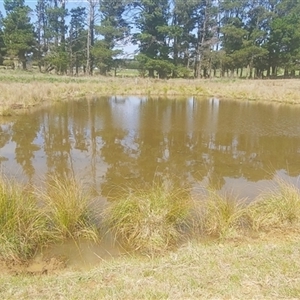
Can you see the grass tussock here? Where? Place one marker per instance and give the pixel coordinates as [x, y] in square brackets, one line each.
[149, 221]
[220, 215]
[276, 209]
[23, 227]
[67, 207]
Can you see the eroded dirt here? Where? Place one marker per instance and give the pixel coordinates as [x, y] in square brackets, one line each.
[36, 266]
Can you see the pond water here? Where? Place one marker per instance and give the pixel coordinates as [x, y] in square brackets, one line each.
[114, 143]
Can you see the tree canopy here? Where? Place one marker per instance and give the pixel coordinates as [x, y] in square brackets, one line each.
[174, 38]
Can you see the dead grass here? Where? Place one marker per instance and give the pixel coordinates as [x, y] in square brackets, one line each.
[27, 89]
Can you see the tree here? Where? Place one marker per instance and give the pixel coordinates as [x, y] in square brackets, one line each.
[77, 38]
[284, 38]
[206, 26]
[90, 35]
[41, 29]
[57, 57]
[114, 30]
[2, 46]
[152, 21]
[18, 32]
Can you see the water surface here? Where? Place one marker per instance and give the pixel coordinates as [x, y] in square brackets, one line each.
[116, 142]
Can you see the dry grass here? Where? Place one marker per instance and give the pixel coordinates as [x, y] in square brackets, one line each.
[219, 216]
[264, 268]
[279, 208]
[23, 90]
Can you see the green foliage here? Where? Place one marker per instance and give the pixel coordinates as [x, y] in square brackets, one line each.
[18, 32]
[59, 59]
[163, 68]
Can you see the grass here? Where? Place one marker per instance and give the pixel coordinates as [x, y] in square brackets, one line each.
[264, 268]
[261, 261]
[220, 216]
[279, 208]
[149, 221]
[23, 227]
[27, 89]
[30, 220]
[67, 206]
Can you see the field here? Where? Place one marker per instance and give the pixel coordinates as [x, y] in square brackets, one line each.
[174, 246]
[26, 89]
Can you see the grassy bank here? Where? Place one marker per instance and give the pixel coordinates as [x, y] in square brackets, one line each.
[266, 267]
[200, 247]
[25, 89]
[151, 221]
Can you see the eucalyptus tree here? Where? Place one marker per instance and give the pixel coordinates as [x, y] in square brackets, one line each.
[205, 16]
[92, 14]
[180, 31]
[77, 39]
[18, 32]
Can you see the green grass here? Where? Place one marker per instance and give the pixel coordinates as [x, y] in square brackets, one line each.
[67, 206]
[149, 221]
[23, 227]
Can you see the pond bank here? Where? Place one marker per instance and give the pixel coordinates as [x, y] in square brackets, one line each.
[262, 267]
[25, 90]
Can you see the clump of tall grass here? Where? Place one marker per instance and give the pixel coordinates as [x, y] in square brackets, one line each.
[149, 221]
[219, 215]
[67, 207]
[23, 226]
[276, 209]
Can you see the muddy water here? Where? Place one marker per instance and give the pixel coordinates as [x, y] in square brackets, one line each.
[116, 142]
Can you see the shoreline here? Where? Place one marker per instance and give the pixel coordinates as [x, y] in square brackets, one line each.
[32, 90]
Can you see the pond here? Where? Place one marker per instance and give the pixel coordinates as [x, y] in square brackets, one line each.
[114, 143]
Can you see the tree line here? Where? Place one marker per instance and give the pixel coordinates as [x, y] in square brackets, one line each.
[175, 38]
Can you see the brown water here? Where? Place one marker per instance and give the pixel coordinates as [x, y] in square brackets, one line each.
[116, 142]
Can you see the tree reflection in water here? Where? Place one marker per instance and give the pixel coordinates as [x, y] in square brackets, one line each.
[115, 142]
